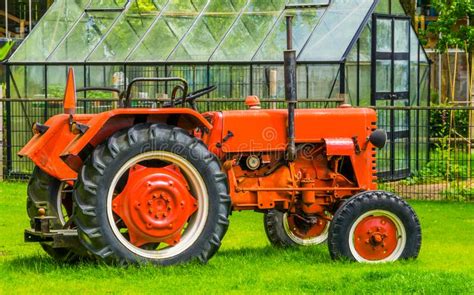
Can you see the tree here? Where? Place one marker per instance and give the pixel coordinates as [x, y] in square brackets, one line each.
[455, 28]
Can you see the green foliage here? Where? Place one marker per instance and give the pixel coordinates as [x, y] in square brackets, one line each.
[57, 91]
[447, 27]
[444, 165]
[458, 192]
[441, 123]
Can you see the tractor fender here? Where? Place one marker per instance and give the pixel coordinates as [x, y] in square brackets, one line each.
[104, 125]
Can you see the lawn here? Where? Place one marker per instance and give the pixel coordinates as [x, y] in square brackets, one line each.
[246, 263]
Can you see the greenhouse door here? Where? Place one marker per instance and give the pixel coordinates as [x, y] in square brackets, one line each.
[391, 88]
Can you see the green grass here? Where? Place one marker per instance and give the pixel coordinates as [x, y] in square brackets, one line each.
[247, 264]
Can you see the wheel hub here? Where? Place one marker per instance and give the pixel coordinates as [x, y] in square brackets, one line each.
[375, 238]
[155, 205]
[306, 229]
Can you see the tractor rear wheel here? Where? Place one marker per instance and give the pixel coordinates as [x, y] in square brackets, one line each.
[55, 197]
[289, 230]
[152, 194]
[374, 227]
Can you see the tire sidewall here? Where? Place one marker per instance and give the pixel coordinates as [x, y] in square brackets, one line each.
[196, 159]
[347, 215]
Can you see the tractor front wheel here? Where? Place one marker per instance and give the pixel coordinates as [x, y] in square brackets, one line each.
[289, 230]
[152, 194]
[373, 227]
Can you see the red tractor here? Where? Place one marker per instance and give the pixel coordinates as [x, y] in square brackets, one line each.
[157, 185]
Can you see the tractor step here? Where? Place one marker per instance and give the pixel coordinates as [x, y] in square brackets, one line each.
[65, 238]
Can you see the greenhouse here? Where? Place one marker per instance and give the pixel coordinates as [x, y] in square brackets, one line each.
[362, 51]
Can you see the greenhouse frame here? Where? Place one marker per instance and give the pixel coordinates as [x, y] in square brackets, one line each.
[361, 51]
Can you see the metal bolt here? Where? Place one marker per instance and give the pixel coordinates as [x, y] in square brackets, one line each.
[41, 212]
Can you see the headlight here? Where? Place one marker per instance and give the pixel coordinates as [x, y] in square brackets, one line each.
[378, 138]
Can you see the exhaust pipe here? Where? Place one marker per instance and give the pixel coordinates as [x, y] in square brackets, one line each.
[290, 88]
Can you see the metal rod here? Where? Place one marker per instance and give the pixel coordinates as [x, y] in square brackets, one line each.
[30, 18]
[7, 33]
[290, 88]
[299, 189]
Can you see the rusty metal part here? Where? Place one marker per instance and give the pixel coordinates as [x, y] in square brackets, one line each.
[305, 228]
[58, 238]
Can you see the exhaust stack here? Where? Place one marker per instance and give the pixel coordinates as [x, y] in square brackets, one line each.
[290, 88]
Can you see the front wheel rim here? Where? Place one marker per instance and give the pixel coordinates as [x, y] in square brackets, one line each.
[377, 236]
[196, 222]
[315, 240]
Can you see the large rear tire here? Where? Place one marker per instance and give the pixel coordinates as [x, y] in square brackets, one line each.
[152, 194]
[373, 227]
[55, 197]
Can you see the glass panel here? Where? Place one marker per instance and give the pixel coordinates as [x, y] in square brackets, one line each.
[365, 44]
[233, 81]
[401, 35]
[414, 45]
[303, 23]
[250, 30]
[402, 75]
[384, 35]
[383, 7]
[84, 37]
[209, 30]
[168, 30]
[57, 76]
[397, 8]
[50, 31]
[98, 4]
[401, 156]
[314, 2]
[401, 116]
[337, 28]
[323, 81]
[423, 57]
[128, 30]
[384, 75]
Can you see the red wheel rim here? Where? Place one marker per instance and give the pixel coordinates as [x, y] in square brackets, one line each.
[155, 205]
[308, 232]
[376, 238]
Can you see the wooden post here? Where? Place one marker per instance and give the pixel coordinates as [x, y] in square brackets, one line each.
[273, 87]
[22, 29]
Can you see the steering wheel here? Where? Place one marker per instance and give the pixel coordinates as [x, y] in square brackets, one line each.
[190, 98]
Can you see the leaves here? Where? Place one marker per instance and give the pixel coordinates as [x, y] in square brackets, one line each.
[451, 27]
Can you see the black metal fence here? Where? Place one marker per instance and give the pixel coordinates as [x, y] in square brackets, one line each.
[428, 156]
